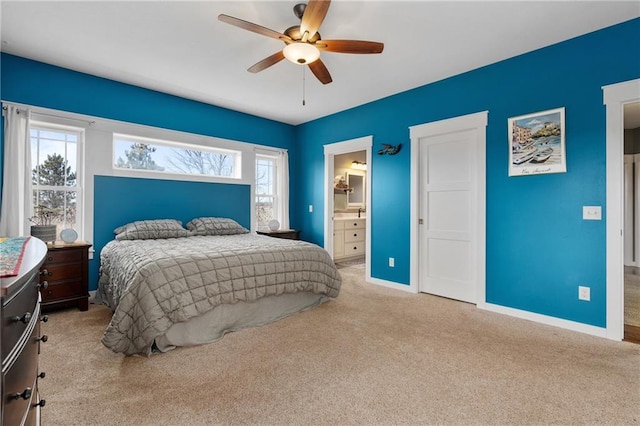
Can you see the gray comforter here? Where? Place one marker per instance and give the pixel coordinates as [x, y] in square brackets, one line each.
[153, 284]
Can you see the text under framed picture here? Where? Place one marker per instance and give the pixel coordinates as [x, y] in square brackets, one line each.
[537, 143]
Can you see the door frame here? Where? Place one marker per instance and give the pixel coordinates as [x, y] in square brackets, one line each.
[478, 122]
[615, 96]
[364, 143]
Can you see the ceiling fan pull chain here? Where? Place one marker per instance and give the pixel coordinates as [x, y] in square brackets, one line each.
[303, 86]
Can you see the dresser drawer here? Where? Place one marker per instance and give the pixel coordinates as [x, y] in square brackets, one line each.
[353, 235]
[354, 249]
[355, 223]
[20, 381]
[62, 256]
[62, 290]
[61, 272]
[17, 313]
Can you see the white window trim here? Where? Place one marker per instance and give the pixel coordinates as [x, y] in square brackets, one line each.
[43, 122]
[237, 167]
[282, 184]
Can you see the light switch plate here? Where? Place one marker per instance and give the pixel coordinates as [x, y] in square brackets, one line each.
[592, 212]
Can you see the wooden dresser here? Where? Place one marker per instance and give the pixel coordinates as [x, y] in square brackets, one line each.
[20, 339]
[66, 269]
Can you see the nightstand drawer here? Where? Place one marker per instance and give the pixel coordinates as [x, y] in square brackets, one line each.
[63, 256]
[62, 290]
[66, 270]
[61, 272]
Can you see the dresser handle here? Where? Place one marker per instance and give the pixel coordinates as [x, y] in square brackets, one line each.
[355, 235]
[355, 248]
[44, 318]
[43, 338]
[43, 285]
[24, 319]
[50, 258]
[46, 273]
[40, 403]
[42, 375]
[24, 395]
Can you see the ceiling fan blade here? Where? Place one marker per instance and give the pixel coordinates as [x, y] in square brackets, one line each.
[313, 16]
[350, 46]
[249, 26]
[267, 62]
[321, 72]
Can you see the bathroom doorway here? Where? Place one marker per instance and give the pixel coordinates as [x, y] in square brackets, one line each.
[348, 199]
[632, 222]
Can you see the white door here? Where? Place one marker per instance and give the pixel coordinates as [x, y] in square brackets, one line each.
[448, 209]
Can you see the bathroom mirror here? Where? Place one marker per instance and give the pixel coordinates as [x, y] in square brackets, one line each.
[355, 180]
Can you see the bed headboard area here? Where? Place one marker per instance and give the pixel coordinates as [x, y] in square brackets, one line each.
[120, 200]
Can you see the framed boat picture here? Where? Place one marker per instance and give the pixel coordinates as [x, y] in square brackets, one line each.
[536, 143]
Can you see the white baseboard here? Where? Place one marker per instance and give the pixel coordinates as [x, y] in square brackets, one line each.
[390, 284]
[545, 319]
[512, 312]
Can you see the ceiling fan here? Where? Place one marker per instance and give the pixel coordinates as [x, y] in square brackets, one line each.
[303, 42]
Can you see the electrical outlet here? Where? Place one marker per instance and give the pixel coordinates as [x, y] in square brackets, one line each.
[584, 293]
[392, 262]
[310, 208]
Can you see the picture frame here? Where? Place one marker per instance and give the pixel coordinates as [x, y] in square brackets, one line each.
[537, 143]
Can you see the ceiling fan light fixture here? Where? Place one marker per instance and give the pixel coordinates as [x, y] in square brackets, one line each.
[301, 53]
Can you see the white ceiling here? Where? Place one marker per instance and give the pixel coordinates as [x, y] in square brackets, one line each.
[181, 48]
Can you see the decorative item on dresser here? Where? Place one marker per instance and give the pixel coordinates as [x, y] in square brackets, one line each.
[20, 341]
[288, 234]
[66, 269]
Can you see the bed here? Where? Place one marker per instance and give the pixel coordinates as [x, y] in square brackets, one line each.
[169, 286]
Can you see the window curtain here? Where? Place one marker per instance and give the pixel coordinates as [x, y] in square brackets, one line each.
[283, 189]
[16, 205]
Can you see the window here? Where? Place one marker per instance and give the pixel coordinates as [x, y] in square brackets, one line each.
[271, 188]
[56, 181]
[266, 191]
[132, 152]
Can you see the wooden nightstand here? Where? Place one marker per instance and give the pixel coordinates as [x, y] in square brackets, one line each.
[66, 271]
[287, 234]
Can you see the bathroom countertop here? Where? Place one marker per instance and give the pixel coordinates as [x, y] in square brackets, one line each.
[350, 216]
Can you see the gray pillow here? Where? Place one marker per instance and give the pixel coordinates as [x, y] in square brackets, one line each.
[215, 226]
[151, 230]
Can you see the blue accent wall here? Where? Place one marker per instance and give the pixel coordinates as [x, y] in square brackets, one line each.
[538, 247]
[120, 200]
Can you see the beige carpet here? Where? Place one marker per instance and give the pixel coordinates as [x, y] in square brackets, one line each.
[373, 356]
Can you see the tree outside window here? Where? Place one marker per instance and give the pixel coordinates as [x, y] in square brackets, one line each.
[131, 152]
[54, 174]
